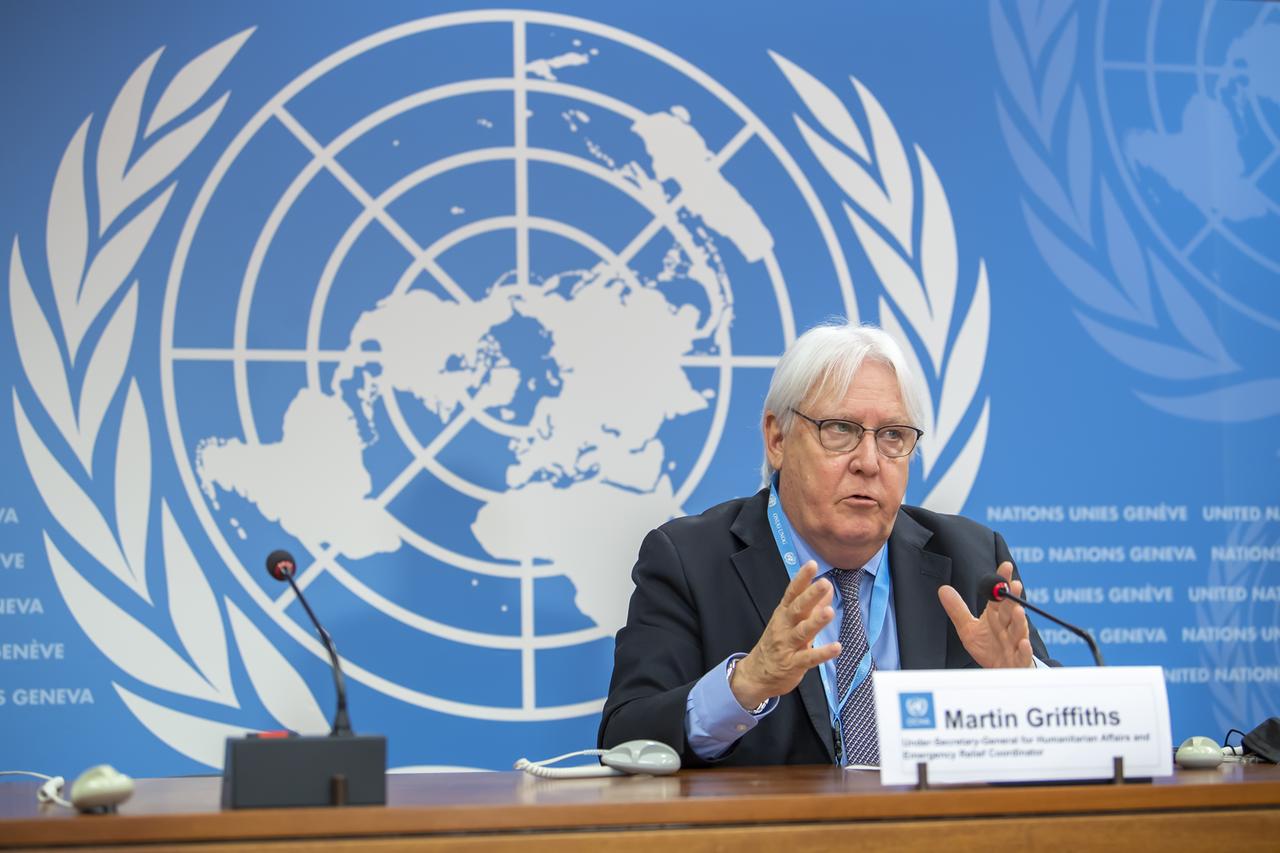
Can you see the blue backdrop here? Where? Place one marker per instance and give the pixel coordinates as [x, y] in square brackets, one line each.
[455, 303]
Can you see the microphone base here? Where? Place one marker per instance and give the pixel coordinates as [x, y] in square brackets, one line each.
[304, 771]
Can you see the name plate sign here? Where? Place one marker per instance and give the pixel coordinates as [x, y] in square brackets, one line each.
[1022, 725]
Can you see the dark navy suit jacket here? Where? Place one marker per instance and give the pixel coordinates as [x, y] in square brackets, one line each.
[707, 584]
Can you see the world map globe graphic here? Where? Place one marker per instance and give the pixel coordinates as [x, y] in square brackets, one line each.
[458, 341]
[1174, 98]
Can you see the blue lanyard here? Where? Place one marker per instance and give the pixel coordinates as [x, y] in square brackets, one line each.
[784, 537]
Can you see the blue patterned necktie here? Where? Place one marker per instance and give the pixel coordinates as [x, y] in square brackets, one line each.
[858, 717]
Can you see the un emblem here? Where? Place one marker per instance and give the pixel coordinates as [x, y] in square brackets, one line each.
[464, 341]
[458, 333]
[917, 710]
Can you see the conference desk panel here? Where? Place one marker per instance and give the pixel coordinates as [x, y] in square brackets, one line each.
[792, 809]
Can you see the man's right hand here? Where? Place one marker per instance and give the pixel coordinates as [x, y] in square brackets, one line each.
[785, 652]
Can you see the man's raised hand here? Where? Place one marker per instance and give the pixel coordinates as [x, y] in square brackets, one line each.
[1001, 637]
[785, 650]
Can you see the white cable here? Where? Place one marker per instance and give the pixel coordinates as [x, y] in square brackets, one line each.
[540, 769]
[560, 758]
[588, 772]
[49, 792]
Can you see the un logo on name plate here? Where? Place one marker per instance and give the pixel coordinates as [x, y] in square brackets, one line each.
[462, 332]
[917, 710]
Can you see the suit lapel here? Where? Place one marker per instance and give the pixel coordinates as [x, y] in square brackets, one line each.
[765, 578]
[917, 575]
[759, 565]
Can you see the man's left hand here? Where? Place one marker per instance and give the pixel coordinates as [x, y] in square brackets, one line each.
[1001, 636]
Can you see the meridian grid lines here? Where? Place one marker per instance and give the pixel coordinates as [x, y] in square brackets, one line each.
[526, 708]
[1181, 251]
[425, 456]
[1160, 67]
[394, 228]
[251, 354]
[521, 123]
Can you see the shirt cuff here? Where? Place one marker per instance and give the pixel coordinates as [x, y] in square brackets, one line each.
[1039, 664]
[714, 719]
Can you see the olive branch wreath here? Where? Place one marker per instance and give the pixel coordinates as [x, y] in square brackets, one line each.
[87, 272]
[1133, 305]
[920, 282]
[920, 278]
[1139, 311]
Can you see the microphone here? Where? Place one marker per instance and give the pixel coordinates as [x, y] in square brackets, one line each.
[285, 769]
[281, 566]
[996, 588]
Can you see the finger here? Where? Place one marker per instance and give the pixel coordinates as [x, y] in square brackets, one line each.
[1005, 570]
[1003, 615]
[993, 625]
[801, 582]
[955, 607]
[1002, 623]
[818, 592]
[809, 628]
[1024, 653]
[993, 616]
[809, 658]
[1010, 619]
[818, 595]
[1019, 625]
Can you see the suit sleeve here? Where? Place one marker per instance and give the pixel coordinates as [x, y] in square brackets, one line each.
[1038, 648]
[658, 655]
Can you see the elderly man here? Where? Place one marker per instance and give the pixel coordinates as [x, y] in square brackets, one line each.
[755, 627]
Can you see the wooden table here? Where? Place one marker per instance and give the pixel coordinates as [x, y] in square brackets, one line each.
[780, 810]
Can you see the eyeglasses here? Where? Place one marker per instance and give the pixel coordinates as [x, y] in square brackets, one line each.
[840, 436]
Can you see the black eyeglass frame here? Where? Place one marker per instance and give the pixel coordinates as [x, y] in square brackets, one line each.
[875, 433]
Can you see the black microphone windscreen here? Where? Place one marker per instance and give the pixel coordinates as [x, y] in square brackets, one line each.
[993, 587]
[280, 565]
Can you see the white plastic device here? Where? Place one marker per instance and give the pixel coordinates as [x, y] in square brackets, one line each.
[1199, 752]
[99, 789]
[633, 757]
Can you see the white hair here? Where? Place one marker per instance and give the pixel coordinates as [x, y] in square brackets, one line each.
[825, 360]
